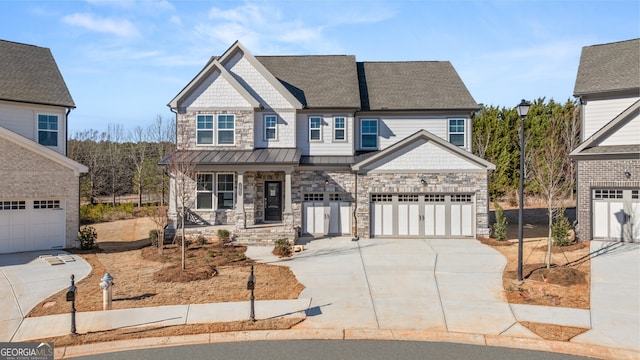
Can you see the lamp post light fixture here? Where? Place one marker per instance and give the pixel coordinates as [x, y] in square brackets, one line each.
[523, 110]
[71, 297]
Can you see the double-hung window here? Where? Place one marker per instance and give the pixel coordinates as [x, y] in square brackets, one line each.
[204, 130]
[204, 191]
[226, 129]
[456, 132]
[339, 128]
[314, 128]
[270, 129]
[369, 133]
[48, 130]
[225, 191]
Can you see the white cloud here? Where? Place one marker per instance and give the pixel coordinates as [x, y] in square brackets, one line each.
[119, 27]
[175, 19]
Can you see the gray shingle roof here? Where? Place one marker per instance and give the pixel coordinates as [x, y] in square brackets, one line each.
[29, 73]
[317, 81]
[609, 67]
[412, 85]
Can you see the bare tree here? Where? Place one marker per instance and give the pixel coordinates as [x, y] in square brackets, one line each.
[85, 148]
[158, 215]
[183, 182]
[571, 139]
[114, 157]
[163, 134]
[137, 149]
[548, 164]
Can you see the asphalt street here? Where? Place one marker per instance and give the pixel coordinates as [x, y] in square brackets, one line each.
[330, 350]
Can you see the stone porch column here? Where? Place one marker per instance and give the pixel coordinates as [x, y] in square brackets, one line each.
[240, 214]
[287, 192]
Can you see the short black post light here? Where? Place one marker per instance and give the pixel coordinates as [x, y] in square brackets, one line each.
[523, 110]
[71, 296]
[251, 285]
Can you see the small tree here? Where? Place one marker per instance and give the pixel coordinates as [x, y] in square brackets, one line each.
[159, 217]
[500, 227]
[560, 230]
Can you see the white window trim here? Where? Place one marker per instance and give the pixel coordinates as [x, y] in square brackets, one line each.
[275, 127]
[318, 128]
[464, 132]
[217, 191]
[343, 128]
[57, 132]
[213, 130]
[212, 191]
[377, 133]
[217, 130]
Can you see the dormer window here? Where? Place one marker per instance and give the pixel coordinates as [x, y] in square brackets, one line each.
[48, 130]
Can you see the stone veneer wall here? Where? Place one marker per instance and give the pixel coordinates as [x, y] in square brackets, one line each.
[475, 183]
[27, 175]
[601, 174]
[186, 130]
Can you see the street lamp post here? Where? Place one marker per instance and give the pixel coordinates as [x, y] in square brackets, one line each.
[523, 110]
[251, 284]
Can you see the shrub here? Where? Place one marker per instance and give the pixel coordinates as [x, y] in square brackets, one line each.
[224, 236]
[87, 237]
[153, 236]
[500, 227]
[201, 240]
[560, 230]
[282, 247]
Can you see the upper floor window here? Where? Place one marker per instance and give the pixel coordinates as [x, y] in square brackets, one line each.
[204, 130]
[270, 129]
[456, 132]
[339, 128]
[48, 130]
[314, 128]
[369, 133]
[226, 129]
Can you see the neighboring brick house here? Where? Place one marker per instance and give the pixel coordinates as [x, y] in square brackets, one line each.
[325, 145]
[608, 158]
[39, 191]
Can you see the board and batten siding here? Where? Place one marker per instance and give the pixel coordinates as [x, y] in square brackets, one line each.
[23, 120]
[256, 84]
[326, 145]
[392, 129]
[599, 112]
[628, 134]
[285, 130]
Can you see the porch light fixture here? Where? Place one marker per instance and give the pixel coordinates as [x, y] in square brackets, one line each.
[423, 182]
[627, 175]
[326, 182]
[523, 110]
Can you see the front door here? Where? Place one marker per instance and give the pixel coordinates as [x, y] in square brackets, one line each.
[273, 201]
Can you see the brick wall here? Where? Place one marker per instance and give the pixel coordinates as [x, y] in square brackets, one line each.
[27, 175]
[601, 174]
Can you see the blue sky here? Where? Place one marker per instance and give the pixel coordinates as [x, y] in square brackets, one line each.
[123, 61]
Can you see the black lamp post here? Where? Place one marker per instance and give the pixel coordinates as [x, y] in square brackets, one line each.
[251, 284]
[71, 297]
[523, 110]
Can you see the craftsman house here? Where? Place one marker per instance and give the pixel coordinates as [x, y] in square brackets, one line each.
[608, 158]
[282, 146]
[39, 196]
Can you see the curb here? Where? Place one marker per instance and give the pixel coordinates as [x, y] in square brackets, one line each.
[351, 334]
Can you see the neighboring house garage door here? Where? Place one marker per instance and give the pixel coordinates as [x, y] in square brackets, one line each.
[27, 225]
[616, 214]
[422, 215]
[326, 213]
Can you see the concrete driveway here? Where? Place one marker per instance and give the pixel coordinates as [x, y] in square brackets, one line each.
[438, 285]
[26, 279]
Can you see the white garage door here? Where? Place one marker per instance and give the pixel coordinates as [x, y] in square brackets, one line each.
[326, 214]
[422, 215]
[28, 225]
[616, 214]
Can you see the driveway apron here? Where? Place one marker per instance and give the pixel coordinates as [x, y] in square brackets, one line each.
[26, 280]
[615, 296]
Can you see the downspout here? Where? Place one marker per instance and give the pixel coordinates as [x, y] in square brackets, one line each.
[66, 130]
[355, 209]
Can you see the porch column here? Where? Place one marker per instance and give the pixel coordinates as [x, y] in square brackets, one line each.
[287, 191]
[240, 215]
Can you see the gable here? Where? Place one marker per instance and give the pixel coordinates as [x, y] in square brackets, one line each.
[423, 151]
[215, 92]
[627, 134]
[423, 155]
